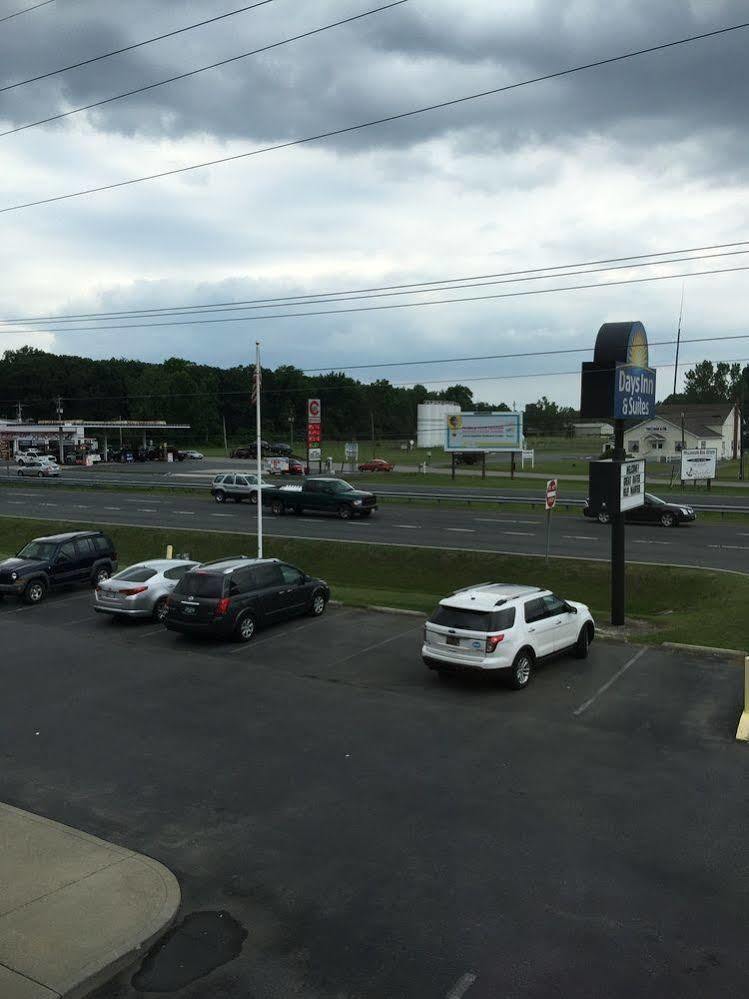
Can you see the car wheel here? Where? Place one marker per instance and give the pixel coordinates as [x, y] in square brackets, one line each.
[219, 497]
[245, 628]
[520, 671]
[100, 575]
[668, 519]
[344, 511]
[603, 517]
[253, 499]
[40, 475]
[20, 471]
[35, 592]
[278, 508]
[160, 610]
[318, 603]
[583, 643]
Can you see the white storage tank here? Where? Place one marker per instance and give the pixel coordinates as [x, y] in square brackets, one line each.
[430, 422]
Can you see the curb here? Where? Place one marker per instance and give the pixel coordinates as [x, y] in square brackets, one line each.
[34, 932]
[711, 650]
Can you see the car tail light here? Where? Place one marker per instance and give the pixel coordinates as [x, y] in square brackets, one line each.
[134, 591]
[493, 641]
[222, 607]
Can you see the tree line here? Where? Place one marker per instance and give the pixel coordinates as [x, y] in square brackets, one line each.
[181, 391]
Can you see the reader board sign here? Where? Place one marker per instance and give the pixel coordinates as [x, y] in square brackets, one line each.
[276, 466]
[634, 392]
[632, 485]
[351, 451]
[699, 463]
[484, 432]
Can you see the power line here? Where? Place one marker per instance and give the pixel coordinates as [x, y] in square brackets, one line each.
[130, 48]
[381, 308]
[196, 72]
[25, 10]
[378, 121]
[218, 306]
[221, 310]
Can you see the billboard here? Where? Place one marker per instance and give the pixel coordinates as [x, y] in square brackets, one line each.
[484, 432]
[699, 463]
[634, 392]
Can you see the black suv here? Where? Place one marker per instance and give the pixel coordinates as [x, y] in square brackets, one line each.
[78, 557]
[234, 596]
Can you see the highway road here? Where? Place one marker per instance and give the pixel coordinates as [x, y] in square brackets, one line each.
[199, 474]
[713, 545]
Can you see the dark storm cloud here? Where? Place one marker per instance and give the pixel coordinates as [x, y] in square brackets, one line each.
[423, 52]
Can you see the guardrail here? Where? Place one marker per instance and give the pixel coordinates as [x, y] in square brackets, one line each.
[409, 497]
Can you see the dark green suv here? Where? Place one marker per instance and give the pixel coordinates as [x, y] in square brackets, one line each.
[328, 495]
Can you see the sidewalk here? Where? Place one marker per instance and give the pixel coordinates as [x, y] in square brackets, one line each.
[74, 910]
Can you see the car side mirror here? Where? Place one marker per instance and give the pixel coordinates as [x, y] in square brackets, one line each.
[571, 609]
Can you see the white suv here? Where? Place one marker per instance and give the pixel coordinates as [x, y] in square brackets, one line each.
[503, 626]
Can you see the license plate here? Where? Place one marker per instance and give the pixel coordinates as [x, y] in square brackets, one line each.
[189, 610]
[108, 596]
[452, 640]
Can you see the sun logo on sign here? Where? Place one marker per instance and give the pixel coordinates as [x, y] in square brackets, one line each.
[637, 349]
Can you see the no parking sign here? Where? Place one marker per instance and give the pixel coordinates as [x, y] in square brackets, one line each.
[551, 494]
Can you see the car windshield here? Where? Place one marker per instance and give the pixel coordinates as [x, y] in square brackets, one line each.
[653, 500]
[200, 584]
[473, 620]
[341, 487]
[38, 549]
[136, 574]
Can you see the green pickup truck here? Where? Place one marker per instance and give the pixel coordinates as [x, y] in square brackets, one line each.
[325, 494]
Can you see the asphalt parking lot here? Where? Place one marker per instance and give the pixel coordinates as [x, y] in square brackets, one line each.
[356, 827]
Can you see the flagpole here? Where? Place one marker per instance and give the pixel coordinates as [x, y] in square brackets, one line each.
[257, 381]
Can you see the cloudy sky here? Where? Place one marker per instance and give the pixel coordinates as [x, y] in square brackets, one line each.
[643, 156]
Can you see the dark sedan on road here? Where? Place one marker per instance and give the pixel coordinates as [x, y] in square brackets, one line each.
[653, 511]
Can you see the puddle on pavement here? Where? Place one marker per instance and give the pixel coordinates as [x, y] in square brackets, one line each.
[202, 942]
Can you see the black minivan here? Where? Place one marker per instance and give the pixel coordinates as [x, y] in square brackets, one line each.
[234, 596]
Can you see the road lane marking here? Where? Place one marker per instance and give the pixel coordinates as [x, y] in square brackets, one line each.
[16, 503]
[519, 534]
[639, 541]
[461, 530]
[112, 507]
[462, 985]
[581, 537]
[221, 515]
[739, 548]
[146, 510]
[605, 687]
[185, 513]
[408, 527]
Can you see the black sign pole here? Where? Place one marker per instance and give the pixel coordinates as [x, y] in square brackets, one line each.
[617, 534]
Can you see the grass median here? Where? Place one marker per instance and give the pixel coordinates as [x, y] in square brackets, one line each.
[694, 606]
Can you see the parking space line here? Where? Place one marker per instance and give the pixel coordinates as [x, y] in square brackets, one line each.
[370, 648]
[462, 985]
[80, 620]
[605, 687]
[51, 605]
[269, 638]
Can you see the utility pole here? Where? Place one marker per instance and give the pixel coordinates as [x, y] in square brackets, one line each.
[371, 418]
[19, 411]
[61, 456]
[678, 337]
[742, 429]
[223, 423]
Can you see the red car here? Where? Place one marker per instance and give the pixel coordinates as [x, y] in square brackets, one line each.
[296, 467]
[376, 465]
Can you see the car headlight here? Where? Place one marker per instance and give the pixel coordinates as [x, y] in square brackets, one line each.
[686, 511]
[357, 502]
[14, 576]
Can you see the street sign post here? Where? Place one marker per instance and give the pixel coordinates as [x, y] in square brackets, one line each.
[618, 384]
[551, 500]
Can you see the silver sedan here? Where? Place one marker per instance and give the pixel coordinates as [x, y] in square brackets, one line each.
[39, 469]
[142, 589]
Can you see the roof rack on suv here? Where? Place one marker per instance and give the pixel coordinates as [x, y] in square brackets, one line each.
[226, 558]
